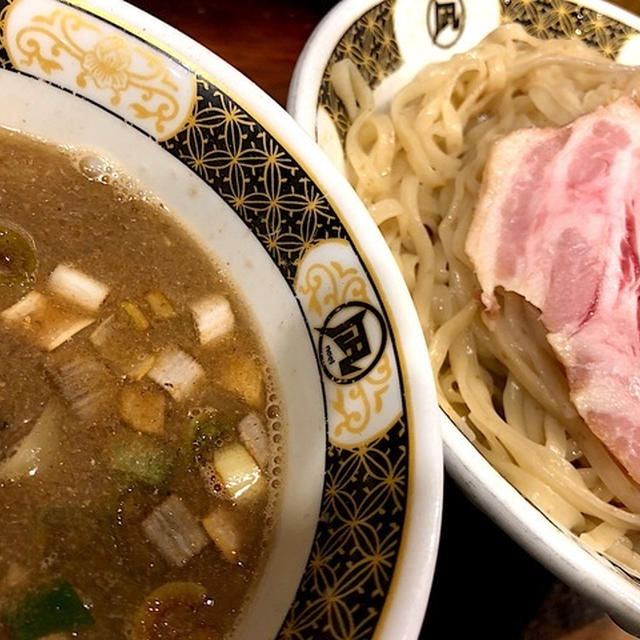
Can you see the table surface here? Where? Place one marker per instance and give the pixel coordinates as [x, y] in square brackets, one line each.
[520, 600]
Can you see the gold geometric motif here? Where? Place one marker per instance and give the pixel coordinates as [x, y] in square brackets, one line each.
[360, 528]
[562, 19]
[228, 149]
[370, 43]
[356, 545]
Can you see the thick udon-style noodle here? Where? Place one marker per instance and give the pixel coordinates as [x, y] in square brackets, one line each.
[418, 167]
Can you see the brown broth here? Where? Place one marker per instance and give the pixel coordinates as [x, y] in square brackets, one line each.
[66, 521]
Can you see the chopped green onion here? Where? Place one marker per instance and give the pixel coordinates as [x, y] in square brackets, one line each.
[175, 531]
[141, 457]
[34, 453]
[39, 320]
[77, 287]
[213, 317]
[41, 613]
[18, 262]
[254, 437]
[84, 382]
[176, 372]
[207, 426]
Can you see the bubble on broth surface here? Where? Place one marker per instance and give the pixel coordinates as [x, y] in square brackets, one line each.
[95, 168]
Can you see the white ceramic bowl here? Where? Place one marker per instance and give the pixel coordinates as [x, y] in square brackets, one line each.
[358, 524]
[389, 42]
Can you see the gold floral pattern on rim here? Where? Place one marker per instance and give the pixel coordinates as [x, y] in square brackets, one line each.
[371, 45]
[359, 532]
[228, 149]
[76, 51]
[562, 19]
[356, 545]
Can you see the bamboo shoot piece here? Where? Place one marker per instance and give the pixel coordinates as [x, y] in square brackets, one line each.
[160, 305]
[135, 314]
[224, 529]
[39, 320]
[238, 472]
[77, 288]
[243, 376]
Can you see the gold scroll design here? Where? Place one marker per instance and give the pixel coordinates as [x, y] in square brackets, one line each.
[328, 286]
[107, 63]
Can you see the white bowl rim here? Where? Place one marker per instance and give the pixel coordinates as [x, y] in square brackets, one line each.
[560, 553]
[405, 604]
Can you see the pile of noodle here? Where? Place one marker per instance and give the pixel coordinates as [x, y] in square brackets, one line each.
[418, 168]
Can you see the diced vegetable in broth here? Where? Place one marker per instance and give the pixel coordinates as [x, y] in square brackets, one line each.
[83, 381]
[174, 530]
[238, 472]
[121, 345]
[141, 458]
[176, 372]
[40, 321]
[223, 527]
[143, 409]
[160, 305]
[36, 450]
[213, 317]
[243, 375]
[77, 288]
[253, 436]
[172, 606]
[52, 609]
[18, 261]
[135, 454]
[138, 318]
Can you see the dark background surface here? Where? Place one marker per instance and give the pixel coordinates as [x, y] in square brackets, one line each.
[485, 586]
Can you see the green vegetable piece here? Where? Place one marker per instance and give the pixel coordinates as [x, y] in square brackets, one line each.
[41, 613]
[142, 458]
[207, 430]
[18, 262]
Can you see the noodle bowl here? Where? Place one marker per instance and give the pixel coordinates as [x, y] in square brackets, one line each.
[418, 167]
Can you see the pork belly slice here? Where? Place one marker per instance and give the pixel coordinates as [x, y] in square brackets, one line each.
[557, 222]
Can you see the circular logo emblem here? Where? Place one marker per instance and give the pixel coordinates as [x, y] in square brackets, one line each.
[445, 22]
[352, 340]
